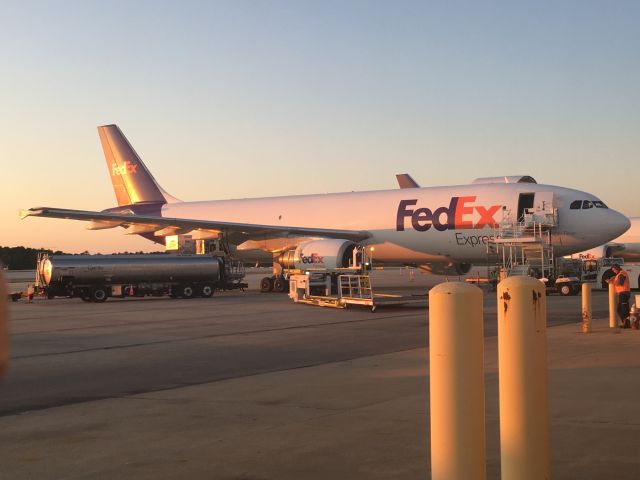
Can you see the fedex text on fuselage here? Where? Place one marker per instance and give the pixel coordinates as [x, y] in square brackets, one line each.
[461, 214]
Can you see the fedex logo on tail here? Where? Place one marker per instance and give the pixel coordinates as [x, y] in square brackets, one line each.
[125, 169]
[459, 215]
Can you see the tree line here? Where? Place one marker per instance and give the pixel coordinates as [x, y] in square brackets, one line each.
[24, 258]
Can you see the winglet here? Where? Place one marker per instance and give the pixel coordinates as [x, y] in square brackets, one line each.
[24, 213]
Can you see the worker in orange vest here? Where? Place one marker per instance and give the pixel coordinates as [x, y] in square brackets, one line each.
[621, 285]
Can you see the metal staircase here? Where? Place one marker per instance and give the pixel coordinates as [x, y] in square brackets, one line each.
[355, 286]
[525, 247]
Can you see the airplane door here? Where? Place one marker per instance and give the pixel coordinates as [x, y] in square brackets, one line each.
[525, 201]
[544, 203]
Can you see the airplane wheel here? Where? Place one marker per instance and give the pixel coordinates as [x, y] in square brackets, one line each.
[207, 291]
[266, 284]
[279, 285]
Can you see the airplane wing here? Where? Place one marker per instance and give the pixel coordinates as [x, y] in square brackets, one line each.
[234, 232]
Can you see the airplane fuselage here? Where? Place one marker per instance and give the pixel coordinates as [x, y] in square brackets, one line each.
[423, 224]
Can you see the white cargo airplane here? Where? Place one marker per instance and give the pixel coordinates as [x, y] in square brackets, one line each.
[444, 228]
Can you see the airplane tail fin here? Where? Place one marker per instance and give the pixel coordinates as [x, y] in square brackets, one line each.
[132, 181]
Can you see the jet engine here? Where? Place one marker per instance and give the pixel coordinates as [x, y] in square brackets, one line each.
[442, 268]
[630, 252]
[325, 254]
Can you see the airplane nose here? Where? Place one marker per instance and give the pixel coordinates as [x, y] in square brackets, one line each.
[616, 223]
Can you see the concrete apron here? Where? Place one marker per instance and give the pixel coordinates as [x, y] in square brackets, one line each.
[366, 418]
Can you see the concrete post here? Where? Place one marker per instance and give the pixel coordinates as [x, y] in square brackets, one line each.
[4, 326]
[522, 371]
[613, 306]
[456, 356]
[586, 308]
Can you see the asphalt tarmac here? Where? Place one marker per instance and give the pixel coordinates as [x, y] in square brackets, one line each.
[65, 351]
[247, 385]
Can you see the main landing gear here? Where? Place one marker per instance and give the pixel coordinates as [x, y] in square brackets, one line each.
[277, 284]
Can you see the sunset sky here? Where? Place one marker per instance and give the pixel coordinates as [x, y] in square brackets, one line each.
[259, 98]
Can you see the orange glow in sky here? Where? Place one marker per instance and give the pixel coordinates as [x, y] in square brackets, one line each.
[246, 99]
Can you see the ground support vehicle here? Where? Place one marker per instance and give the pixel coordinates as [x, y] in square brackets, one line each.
[563, 285]
[598, 271]
[94, 278]
[342, 290]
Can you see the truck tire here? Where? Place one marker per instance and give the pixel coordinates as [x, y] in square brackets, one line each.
[266, 284]
[207, 291]
[186, 291]
[280, 285]
[99, 294]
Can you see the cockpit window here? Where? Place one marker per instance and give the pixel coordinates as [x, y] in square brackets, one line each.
[586, 204]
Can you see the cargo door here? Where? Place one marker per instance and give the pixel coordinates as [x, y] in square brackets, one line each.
[544, 203]
[525, 202]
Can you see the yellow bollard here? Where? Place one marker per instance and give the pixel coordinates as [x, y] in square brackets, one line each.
[522, 373]
[4, 327]
[613, 306]
[587, 314]
[456, 378]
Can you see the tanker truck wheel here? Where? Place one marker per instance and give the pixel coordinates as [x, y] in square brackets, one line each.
[207, 291]
[266, 284]
[186, 291]
[99, 295]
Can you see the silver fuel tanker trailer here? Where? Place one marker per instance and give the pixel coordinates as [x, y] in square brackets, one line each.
[94, 278]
